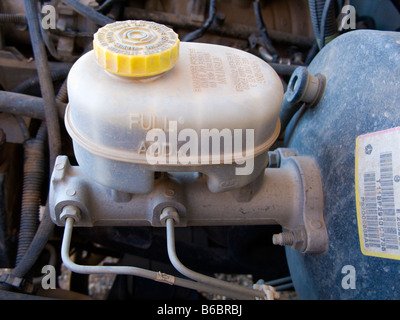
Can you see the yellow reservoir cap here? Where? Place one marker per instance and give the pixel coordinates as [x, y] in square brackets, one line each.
[136, 48]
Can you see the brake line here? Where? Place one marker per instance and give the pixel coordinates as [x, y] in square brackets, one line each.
[210, 286]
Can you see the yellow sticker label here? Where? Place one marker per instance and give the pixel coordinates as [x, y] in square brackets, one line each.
[377, 177]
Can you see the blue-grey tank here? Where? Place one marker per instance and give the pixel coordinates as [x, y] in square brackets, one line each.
[362, 95]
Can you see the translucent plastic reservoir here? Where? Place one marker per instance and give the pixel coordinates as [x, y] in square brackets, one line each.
[126, 126]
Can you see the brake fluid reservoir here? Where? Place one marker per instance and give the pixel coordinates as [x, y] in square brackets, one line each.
[142, 102]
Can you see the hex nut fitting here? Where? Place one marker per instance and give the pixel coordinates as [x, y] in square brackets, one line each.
[70, 211]
[168, 213]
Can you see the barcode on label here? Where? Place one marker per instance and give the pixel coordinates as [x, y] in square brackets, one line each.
[378, 193]
[388, 226]
[370, 225]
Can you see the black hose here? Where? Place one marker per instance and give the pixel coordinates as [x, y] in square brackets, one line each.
[46, 226]
[288, 110]
[104, 5]
[283, 69]
[46, 84]
[17, 19]
[292, 125]
[32, 107]
[316, 9]
[203, 29]
[324, 17]
[89, 13]
[37, 245]
[62, 94]
[34, 170]
[33, 82]
[312, 53]
[263, 29]
[12, 18]
[25, 105]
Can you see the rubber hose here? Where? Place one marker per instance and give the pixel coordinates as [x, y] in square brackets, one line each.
[316, 8]
[202, 30]
[325, 13]
[37, 245]
[46, 84]
[62, 94]
[34, 170]
[312, 53]
[25, 105]
[263, 29]
[292, 125]
[12, 18]
[29, 84]
[89, 13]
[288, 110]
[46, 226]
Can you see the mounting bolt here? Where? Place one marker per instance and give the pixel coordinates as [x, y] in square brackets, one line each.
[167, 213]
[283, 239]
[70, 211]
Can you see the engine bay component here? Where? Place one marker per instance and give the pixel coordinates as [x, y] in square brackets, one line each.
[372, 98]
[136, 48]
[199, 149]
[289, 196]
[204, 283]
[128, 128]
[111, 123]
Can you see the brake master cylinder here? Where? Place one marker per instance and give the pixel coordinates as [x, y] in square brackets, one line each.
[168, 130]
[142, 102]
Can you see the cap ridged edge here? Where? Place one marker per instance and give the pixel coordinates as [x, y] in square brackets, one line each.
[139, 63]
